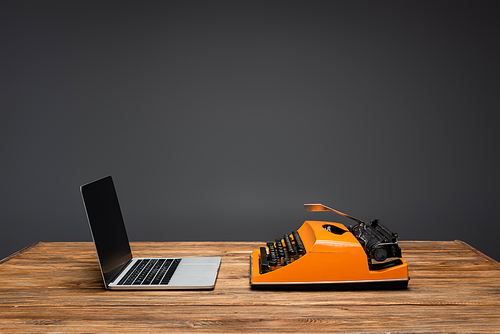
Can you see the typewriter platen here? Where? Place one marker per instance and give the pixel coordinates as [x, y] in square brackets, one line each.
[329, 254]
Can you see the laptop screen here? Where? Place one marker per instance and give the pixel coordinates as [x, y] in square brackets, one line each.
[107, 226]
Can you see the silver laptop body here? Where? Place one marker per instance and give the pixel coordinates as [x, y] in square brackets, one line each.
[121, 271]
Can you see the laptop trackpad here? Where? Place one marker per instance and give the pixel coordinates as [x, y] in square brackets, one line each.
[196, 271]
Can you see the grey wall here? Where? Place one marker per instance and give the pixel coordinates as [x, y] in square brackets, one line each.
[218, 120]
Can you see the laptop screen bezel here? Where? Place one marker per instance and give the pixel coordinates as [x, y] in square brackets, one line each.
[107, 227]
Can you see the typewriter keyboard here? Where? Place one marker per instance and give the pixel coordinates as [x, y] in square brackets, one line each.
[282, 252]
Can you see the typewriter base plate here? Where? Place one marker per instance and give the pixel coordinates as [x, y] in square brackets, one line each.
[342, 286]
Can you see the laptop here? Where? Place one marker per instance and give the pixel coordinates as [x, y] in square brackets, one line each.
[121, 271]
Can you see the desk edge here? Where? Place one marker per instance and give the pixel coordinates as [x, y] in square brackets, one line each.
[479, 253]
[13, 255]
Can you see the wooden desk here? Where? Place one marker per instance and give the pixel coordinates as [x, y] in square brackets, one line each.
[453, 288]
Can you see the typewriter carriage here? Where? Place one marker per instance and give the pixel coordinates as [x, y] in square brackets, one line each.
[378, 241]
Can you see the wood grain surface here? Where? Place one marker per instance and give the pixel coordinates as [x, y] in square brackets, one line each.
[57, 287]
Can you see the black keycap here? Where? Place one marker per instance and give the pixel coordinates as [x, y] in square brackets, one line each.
[131, 270]
[286, 259]
[138, 269]
[279, 247]
[264, 265]
[296, 255]
[273, 255]
[153, 272]
[162, 272]
[288, 244]
[140, 278]
[170, 271]
[298, 242]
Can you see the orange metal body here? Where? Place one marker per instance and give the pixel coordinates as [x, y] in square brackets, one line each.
[330, 258]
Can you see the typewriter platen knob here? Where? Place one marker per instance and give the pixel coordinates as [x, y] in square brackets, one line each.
[379, 254]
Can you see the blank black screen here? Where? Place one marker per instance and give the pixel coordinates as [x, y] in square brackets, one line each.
[107, 226]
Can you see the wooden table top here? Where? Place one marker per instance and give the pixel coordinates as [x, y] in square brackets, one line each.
[453, 288]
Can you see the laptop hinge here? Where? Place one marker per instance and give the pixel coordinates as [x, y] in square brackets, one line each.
[120, 271]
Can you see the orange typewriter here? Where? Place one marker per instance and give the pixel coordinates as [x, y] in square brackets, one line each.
[324, 254]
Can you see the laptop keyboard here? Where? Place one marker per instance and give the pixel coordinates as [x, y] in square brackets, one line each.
[150, 272]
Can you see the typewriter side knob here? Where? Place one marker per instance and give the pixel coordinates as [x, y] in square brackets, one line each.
[379, 254]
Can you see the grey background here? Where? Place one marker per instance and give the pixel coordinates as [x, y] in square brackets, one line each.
[218, 120]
